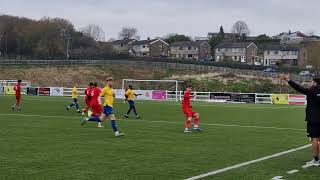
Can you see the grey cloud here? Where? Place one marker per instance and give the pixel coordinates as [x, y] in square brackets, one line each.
[160, 17]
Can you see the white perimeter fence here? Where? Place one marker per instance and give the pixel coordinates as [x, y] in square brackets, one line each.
[164, 95]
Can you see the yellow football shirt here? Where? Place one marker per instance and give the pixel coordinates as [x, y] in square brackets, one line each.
[130, 93]
[107, 93]
[74, 93]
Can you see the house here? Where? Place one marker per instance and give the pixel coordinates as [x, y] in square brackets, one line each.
[309, 54]
[122, 46]
[194, 50]
[291, 37]
[150, 47]
[287, 55]
[244, 52]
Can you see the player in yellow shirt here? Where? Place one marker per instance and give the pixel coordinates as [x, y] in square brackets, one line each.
[108, 95]
[74, 95]
[130, 97]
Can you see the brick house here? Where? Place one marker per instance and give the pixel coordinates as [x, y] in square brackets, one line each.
[122, 46]
[150, 47]
[287, 55]
[244, 52]
[195, 50]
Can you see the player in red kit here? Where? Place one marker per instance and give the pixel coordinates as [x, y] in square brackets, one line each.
[17, 89]
[95, 105]
[187, 110]
[87, 98]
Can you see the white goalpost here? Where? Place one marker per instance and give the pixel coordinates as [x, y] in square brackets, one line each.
[170, 86]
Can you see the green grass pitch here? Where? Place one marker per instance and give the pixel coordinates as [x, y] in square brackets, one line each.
[44, 141]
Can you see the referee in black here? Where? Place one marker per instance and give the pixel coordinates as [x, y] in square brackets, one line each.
[312, 113]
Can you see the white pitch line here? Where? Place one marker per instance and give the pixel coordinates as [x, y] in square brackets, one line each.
[247, 163]
[307, 165]
[292, 171]
[66, 99]
[277, 178]
[165, 122]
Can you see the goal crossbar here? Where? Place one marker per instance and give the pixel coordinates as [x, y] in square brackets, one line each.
[149, 80]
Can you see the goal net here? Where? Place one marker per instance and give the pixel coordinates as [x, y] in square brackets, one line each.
[154, 89]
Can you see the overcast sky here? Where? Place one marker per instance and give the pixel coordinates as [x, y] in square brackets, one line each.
[160, 17]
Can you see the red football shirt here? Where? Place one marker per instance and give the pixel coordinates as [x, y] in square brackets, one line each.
[88, 92]
[17, 88]
[95, 93]
[186, 100]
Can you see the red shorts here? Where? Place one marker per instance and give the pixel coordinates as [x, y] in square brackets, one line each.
[88, 102]
[189, 113]
[96, 109]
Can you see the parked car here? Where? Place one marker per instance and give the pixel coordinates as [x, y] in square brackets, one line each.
[257, 63]
[305, 73]
[269, 70]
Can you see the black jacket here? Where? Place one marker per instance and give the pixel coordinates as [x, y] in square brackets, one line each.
[313, 100]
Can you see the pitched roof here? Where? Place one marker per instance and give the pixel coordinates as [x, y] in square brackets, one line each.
[282, 47]
[122, 41]
[234, 45]
[141, 42]
[188, 43]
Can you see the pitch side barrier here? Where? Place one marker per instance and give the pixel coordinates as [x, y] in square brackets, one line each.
[164, 95]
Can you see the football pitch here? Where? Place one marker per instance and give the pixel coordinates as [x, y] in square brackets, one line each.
[44, 141]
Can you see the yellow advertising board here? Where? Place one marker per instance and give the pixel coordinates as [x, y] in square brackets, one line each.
[9, 90]
[280, 98]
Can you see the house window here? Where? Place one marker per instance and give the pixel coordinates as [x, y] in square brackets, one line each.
[143, 46]
[161, 48]
[144, 54]
[180, 48]
[122, 45]
[295, 62]
[276, 52]
[189, 48]
[190, 56]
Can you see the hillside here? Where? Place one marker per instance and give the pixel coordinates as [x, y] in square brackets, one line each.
[65, 76]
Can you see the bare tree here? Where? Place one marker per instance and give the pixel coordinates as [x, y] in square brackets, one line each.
[129, 33]
[241, 29]
[94, 31]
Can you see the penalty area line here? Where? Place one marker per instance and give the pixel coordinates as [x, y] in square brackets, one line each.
[218, 171]
[164, 122]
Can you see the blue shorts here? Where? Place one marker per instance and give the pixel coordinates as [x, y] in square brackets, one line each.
[107, 110]
[75, 100]
[131, 103]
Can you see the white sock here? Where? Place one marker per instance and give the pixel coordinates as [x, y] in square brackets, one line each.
[196, 126]
[116, 133]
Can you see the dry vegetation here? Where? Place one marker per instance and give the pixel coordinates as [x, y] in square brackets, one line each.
[65, 76]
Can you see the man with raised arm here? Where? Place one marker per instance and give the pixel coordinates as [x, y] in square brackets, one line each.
[312, 113]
